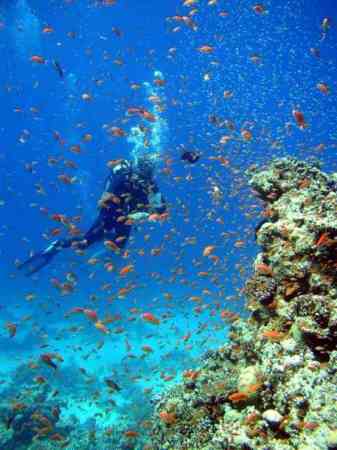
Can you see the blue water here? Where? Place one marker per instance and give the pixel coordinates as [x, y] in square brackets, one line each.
[113, 54]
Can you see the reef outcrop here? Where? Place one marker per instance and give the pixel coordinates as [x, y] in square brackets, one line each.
[273, 386]
[30, 419]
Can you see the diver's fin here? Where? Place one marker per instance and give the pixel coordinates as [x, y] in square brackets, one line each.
[40, 259]
[35, 263]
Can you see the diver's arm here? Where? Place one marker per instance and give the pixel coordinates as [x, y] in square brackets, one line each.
[156, 205]
[139, 216]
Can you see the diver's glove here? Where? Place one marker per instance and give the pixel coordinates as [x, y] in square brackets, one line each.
[138, 216]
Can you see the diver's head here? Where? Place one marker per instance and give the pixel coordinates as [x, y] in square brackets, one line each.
[121, 167]
[144, 168]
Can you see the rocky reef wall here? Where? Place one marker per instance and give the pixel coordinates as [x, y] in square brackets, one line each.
[274, 385]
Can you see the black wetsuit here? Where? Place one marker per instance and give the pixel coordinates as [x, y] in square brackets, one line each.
[126, 192]
[131, 193]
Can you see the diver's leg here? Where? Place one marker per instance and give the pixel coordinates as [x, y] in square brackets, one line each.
[39, 260]
[118, 237]
[95, 233]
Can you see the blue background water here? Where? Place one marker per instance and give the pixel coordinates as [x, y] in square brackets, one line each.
[264, 95]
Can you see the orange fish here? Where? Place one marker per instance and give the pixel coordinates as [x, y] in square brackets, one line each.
[239, 244]
[246, 135]
[134, 111]
[205, 49]
[189, 2]
[112, 246]
[66, 288]
[75, 149]
[228, 315]
[223, 161]
[113, 162]
[118, 132]
[323, 87]
[55, 231]
[214, 258]
[203, 274]
[148, 116]
[142, 113]
[259, 9]
[158, 217]
[159, 82]
[91, 314]
[40, 379]
[324, 240]
[195, 298]
[11, 327]
[237, 397]
[101, 327]
[147, 349]
[168, 418]
[47, 358]
[127, 269]
[87, 137]
[47, 30]
[186, 337]
[208, 250]
[149, 317]
[77, 309]
[37, 59]
[273, 335]
[66, 179]
[264, 269]
[252, 418]
[131, 434]
[109, 267]
[310, 425]
[191, 374]
[299, 118]
[57, 437]
[123, 291]
[19, 406]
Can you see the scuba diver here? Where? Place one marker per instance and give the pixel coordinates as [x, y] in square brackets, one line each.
[130, 195]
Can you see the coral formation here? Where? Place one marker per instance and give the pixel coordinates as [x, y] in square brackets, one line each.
[31, 417]
[273, 386]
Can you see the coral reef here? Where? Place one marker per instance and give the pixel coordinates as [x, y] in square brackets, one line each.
[31, 417]
[34, 413]
[273, 386]
[39, 410]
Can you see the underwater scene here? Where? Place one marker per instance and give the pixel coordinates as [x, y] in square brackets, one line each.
[168, 233]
